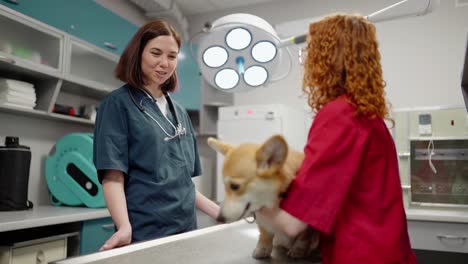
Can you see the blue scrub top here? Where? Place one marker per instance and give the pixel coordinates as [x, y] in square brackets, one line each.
[158, 187]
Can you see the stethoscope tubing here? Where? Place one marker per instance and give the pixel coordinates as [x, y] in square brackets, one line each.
[178, 131]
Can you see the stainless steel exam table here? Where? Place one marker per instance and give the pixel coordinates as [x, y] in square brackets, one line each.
[228, 243]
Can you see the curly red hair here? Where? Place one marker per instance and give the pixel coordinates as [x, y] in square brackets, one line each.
[343, 58]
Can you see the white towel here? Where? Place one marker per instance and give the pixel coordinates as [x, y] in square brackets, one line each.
[16, 105]
[26, 96]
[16, 82]
[19, 90]
[16, 85]
[17, 100]
[18, 97]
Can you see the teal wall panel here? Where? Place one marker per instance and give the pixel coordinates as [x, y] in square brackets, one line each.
[188, 73]
[82, 18]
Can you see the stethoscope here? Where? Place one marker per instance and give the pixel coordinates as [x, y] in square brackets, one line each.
[179, 130]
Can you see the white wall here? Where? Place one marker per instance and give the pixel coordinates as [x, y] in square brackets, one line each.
[421, 57]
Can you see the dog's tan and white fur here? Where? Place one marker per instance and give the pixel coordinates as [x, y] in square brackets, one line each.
[256, 176]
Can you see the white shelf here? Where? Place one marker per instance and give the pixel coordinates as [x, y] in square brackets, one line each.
[20, 66]
[71, 118]
[47, 215]
[44, 114]
[23, 111]
[80, 86]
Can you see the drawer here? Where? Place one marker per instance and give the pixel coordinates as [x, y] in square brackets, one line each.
[451, 237]
[40, 253]
[94, 233]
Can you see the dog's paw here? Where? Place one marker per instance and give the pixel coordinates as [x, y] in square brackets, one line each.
[298, 252]
[262, 252]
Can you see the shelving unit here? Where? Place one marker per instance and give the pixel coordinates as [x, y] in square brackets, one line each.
[63, 68]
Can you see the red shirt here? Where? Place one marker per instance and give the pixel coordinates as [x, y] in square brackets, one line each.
[348, 188]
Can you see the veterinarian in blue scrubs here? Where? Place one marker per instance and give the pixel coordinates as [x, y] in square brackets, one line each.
[145, 150]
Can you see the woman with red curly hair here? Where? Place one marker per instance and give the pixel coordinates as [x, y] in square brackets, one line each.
[348, 187]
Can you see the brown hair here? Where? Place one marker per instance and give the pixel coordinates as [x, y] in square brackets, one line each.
[343, 58]
[128, 69]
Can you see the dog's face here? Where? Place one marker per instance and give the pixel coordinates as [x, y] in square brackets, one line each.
[252, 176]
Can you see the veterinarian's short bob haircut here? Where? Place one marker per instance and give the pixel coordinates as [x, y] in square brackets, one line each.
[128, 69]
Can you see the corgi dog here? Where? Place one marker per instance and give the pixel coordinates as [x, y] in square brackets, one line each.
[257, 176]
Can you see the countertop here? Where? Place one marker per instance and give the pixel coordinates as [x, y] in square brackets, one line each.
[50, 215]
[228, 243]
[437, 215]
[47, 215]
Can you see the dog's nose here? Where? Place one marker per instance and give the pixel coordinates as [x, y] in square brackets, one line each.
[221, 218]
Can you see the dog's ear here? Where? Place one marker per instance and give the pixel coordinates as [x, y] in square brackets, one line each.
[219, 146]
[271, 155]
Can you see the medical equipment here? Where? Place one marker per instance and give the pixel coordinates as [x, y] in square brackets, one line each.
[179, 130]
[240, 52]
[429, 162]
[70, 172]
[15, 160]
[439, 172]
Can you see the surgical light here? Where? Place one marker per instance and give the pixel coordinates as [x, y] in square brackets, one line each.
[240, 52]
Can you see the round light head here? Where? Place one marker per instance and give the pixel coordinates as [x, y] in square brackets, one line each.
[215, 56]
[255, 76]
[238, 38]
[226, 79]
[264, 51]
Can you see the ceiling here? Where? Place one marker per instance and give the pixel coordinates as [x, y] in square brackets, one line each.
[194, 7]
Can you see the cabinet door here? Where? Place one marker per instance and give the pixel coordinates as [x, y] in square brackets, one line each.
[84, 19]
[188, 93]
[439, 236]
[29, 44]
[94, 233]
[91, 66]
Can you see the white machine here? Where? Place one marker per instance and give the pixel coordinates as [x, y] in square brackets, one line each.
[256, 123]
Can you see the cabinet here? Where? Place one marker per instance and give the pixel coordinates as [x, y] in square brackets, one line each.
[84, 19]
[72, 67]
[451, 237]
[43, 250]
[62, 68]
[94, 233]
